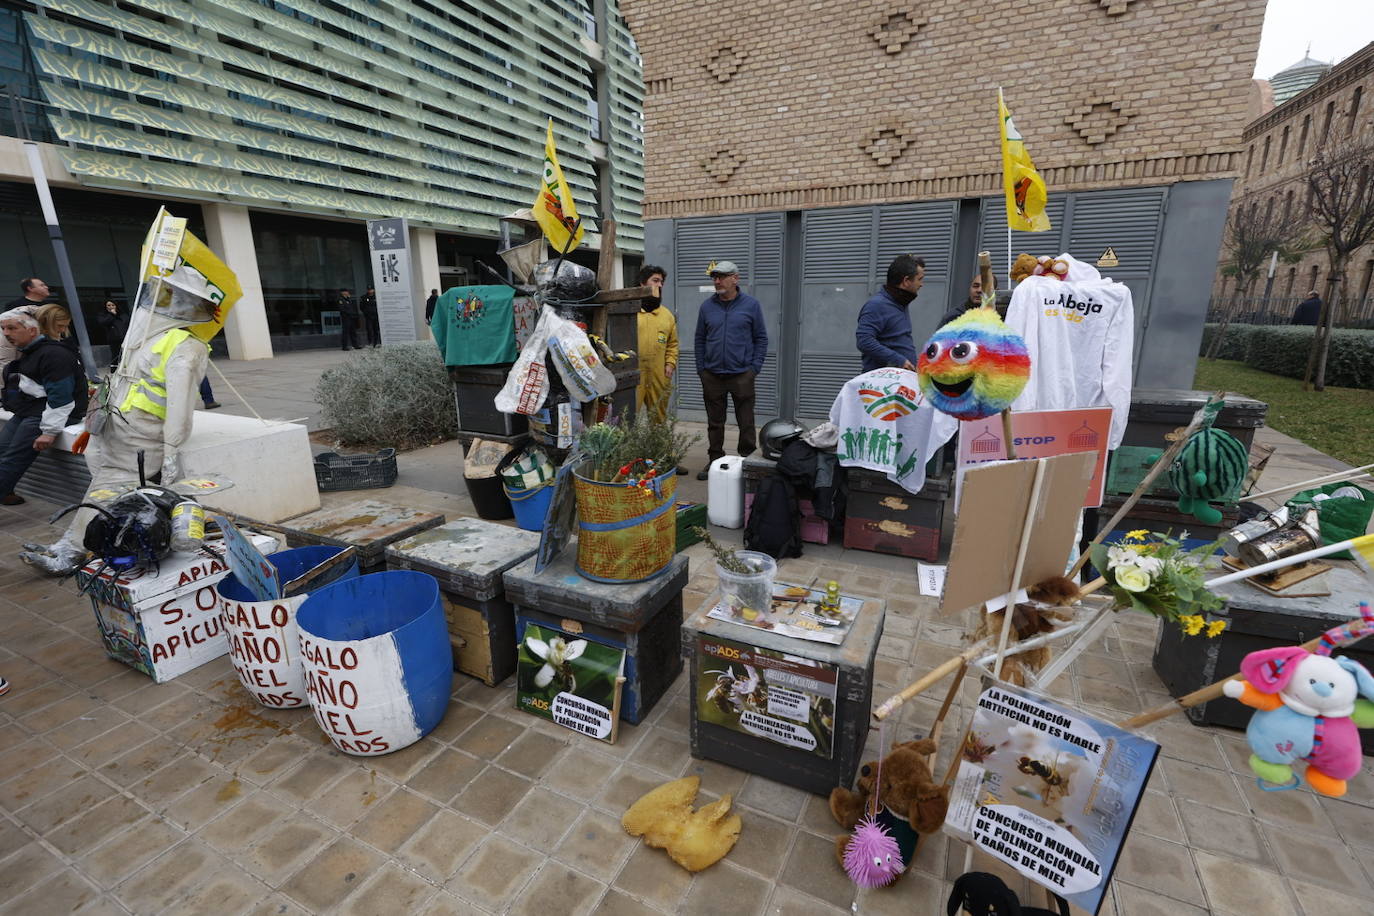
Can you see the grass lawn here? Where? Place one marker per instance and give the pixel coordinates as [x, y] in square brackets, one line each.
[1337, 421]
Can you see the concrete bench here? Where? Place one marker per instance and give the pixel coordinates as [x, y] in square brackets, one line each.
[269, 462]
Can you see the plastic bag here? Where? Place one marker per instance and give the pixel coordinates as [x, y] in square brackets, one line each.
[1341, 515]
[527, 383]
[577, 362]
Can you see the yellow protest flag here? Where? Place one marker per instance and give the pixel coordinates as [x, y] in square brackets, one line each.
[1025, 189]
[553, 208]
[1363, 549]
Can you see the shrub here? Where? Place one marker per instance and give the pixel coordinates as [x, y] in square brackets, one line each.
[396, 396]
[1283, 350]
[1233, 343]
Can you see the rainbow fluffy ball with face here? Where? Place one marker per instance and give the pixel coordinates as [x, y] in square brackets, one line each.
[974, 367]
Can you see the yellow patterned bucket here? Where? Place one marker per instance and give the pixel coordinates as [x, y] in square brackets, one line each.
[625, 533]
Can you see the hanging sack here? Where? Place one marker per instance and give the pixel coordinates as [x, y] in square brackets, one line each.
[527, 383]
[577, 362]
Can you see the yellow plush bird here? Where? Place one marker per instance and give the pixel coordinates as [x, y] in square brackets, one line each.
[694, 839]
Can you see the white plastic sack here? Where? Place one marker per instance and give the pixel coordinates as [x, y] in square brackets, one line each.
[577, 362]
[527, 383]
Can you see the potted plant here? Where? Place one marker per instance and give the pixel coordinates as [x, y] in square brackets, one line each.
[627, 530]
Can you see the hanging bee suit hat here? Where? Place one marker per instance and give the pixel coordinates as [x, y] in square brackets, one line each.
[150, 403]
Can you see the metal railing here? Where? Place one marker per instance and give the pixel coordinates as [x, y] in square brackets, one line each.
[1280, 309]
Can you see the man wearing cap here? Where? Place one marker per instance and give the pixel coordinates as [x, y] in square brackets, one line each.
[884, 332]
[731, 343]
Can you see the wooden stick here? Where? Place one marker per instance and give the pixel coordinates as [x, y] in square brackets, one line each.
[615, 709]
[605, 260]
[1006, 434]
[944, 711]
[1337, 477]
[934, 676]
[1160, 466]
[1019, 567]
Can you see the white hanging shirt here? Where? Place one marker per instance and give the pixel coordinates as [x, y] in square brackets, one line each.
[1081, 335]
[885, 424]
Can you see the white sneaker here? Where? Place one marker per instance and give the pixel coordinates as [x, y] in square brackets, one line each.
[4, 686]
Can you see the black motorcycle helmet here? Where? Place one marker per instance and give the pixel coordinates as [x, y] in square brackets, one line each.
[776, 434]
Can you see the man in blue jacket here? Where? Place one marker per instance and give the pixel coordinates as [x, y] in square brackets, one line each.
[731, 342]
[884, 332]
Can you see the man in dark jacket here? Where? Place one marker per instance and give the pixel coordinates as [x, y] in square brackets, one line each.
[350, 316]
[1309, 310]
[731, 343]
[368, 303]
[884, 332]
[430, 303]
[39, 387]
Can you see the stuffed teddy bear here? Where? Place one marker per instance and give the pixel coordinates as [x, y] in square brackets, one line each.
[1046, 266]
[1310, 707]
[913, 803]
[1023, 267]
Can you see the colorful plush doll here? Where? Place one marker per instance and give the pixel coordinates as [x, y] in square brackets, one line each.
[1310, 707]
[1210, 465]
[974, 367]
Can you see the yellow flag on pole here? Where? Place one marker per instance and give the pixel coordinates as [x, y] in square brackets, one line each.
[553, 208]
[1025, 189]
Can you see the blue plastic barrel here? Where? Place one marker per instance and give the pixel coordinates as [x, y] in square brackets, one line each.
[378, 664]
[264, 645]
[531, 505]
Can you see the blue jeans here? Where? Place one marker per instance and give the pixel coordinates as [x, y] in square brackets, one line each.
[206, 394]
[16, 450]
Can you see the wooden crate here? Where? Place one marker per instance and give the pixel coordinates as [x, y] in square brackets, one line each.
[467, 557]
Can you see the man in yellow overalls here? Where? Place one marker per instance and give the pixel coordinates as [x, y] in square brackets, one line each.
[658, 348]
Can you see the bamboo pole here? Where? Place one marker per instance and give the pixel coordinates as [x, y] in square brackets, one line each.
[1160, 466]
[1009, 611]
[1338, 477]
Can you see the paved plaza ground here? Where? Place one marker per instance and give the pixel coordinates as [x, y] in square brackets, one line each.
[118, 795]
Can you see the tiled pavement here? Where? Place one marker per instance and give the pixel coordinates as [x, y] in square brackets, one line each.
[121, 796]
[118, 795]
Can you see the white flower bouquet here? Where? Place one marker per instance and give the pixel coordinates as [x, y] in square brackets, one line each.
[1155, 574]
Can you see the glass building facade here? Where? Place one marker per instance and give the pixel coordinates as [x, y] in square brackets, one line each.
[318, 114]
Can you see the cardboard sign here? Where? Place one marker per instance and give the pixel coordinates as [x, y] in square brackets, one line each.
[1038, 434]
[250, 567]
[1049, 790]
[987, 533]
[786, 699]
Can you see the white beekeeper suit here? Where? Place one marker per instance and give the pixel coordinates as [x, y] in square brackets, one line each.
[154, 395]
[1081, 336]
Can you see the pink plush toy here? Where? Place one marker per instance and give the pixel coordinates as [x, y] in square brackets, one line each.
[1309, 707]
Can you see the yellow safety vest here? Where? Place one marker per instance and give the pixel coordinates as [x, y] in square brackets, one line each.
[150, 394]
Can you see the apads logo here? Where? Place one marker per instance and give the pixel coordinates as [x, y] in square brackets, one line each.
[469, 311]
[890, 402]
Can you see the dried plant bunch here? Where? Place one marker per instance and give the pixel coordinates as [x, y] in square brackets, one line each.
[725, 556]
[640, 444]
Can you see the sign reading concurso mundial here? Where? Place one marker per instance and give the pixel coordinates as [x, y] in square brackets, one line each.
[388, 244]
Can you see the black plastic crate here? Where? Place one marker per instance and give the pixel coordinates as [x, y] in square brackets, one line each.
[853, 661]
[474, 392]
[652, 661]
[355, 472]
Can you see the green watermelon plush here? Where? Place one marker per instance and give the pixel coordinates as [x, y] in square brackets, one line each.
[1209, 467]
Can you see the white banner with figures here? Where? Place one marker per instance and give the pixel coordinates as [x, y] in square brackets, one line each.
[388, 244]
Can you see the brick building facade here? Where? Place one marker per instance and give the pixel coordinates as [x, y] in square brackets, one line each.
[1278, 147]
[772, 104]
[812, 142]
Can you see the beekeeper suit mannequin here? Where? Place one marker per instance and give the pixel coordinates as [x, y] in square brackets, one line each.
[152, 394]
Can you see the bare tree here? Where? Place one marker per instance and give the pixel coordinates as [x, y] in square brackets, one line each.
[1339, 182]
[1253, 235]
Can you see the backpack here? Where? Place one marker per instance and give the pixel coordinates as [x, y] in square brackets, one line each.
[775, 520]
